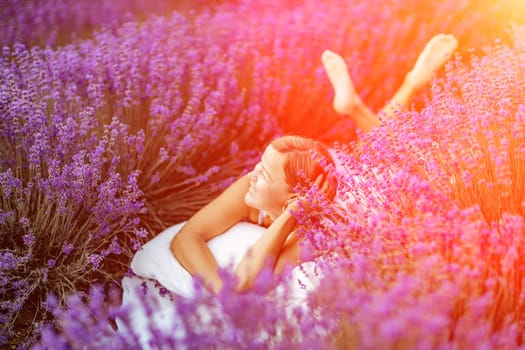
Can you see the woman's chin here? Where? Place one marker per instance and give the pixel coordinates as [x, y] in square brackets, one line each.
[249, 200]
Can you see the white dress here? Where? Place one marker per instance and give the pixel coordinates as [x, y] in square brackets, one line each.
[155, 262]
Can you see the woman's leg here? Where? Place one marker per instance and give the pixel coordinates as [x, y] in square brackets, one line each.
[436, 52]
[346, 101]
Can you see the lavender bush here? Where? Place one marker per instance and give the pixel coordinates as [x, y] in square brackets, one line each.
[410, 260]
[430, 255]
[255, 319]
[67, 192]
[54, 23]
[380, 41]
[106, 141]
[96, 135]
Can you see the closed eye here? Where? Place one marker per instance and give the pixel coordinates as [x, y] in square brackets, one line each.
[266, 174]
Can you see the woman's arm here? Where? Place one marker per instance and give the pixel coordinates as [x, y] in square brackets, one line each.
[289, 256]
[267, 249]
[189, 245]
[279, 246]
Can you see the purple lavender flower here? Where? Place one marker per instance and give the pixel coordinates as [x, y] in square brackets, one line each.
[110, 139]
[51, 263]
[95, 260]
[29, 239]
[67, 248]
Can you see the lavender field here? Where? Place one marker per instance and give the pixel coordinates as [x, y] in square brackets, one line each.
[121, 118]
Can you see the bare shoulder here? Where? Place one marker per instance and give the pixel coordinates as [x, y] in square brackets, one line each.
[221, 213]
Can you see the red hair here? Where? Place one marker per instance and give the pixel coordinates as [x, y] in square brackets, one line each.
[301, 165]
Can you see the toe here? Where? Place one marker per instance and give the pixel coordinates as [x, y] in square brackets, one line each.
[327, 54]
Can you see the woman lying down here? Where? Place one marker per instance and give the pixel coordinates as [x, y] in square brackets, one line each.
[251, 224]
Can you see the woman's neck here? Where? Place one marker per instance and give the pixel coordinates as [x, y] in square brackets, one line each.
[273, 214]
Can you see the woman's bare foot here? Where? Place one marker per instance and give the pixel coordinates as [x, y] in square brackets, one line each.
[345, 97]
[436, 52]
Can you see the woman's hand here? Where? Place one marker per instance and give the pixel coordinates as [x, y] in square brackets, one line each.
[324, 186]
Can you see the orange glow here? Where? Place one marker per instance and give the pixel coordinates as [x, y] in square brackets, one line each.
[511, 10]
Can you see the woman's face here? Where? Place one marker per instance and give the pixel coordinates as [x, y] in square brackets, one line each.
[268, 188]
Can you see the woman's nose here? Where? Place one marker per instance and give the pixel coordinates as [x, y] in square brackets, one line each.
[255, 171]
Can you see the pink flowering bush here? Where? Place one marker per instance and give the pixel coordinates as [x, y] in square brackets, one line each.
[108, 140]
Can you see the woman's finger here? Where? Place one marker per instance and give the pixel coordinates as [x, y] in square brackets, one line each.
[319, 180]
